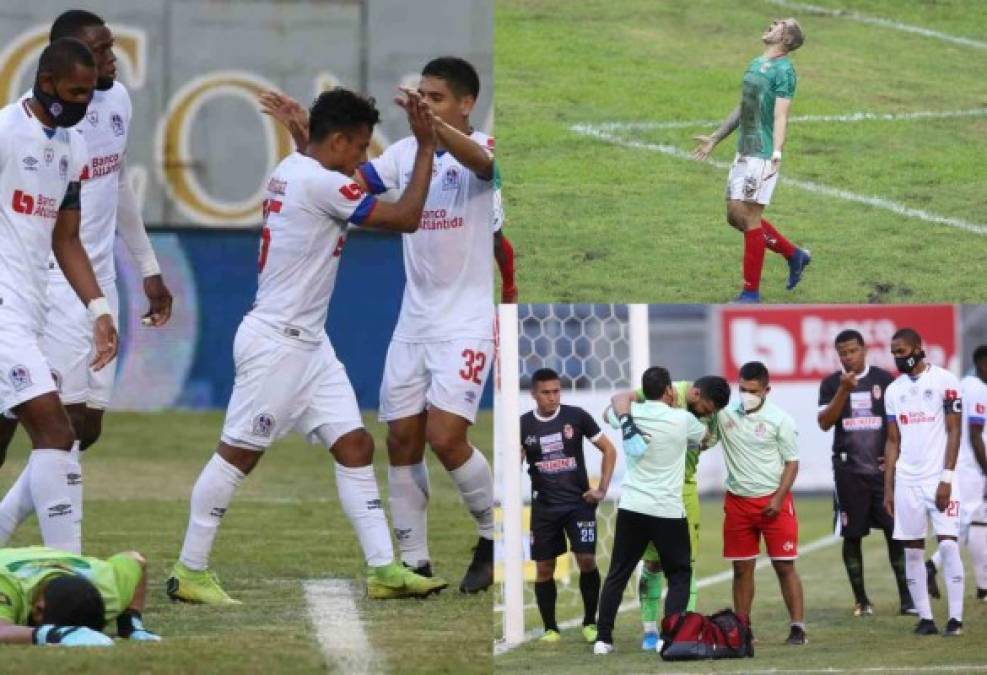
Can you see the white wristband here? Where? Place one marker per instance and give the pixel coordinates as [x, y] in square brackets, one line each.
[98, 307]
[946, 476]
[776, 154]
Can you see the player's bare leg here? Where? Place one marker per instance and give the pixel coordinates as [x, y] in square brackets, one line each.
[915, 574]
[545, 595]
[746, 218]
[743, 586]
[130, 622]
[589, 588]
[791, 591]
[89, 427]
[469, 470]
[408, 490]
[52, 480]
[954, 576]
[8, 427]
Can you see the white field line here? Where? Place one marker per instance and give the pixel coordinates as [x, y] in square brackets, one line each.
[713, 579]
[597, 131]
[878, 21]
[338, 627]
[848, 118]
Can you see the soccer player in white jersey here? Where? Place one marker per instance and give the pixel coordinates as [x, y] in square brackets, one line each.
[110, 207]
[970, 470]
[442, 347]
[287, 374]
[41, 160]
[923, 408]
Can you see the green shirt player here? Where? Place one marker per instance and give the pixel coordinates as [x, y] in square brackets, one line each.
[767, 92]
[703, 398]
[49, 596]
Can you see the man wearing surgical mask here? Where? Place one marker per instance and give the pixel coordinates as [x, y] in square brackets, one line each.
[760, 447]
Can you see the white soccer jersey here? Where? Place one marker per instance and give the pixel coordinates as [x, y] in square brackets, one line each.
[35, 171]
[919, 406]
[104, 129]
[974, 392]
[448, 262]
[305, 216]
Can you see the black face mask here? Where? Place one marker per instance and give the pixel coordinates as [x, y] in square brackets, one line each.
[906, 364]
[64, 113]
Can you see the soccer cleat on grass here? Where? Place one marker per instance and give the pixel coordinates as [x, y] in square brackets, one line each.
[479, 575]
[863, 609]
[550, 636]
[930, 579]
[198, 586]
[424, 568]
[650, 642]
[796, 636]
[982, 594]
[796, 266]
[926, 627]
[395, 581]
[908, 608]
[954, 628]
[602, 648]
[589, 633]
[747, 298]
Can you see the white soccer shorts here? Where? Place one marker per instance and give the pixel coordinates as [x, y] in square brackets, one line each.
[24, 372]
[446, 375]
[914, 505]
[68, 345]
[285, 385]
[751, 179]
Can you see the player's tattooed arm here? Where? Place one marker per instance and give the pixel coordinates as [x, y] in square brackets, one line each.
[707, 143]
[289, 113]
[405, 214]
[891, 447]
[75, 265]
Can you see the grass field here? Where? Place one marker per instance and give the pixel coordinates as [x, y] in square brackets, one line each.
[838, 642]
[284, 527]
[611, 209]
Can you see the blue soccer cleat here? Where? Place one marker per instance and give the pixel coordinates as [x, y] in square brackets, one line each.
[650, 642]
[796, 266]
[747, 298]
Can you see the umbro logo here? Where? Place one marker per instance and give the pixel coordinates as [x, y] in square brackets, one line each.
[74, 479]
[30, 163]
[374, 505]
[59, 510]
[217, 511]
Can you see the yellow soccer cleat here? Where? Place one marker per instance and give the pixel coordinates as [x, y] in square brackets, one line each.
[200, 587]
[589, 633]
[550, 636]
[395, 581]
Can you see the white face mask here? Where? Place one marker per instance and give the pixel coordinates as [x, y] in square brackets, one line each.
[750, 401]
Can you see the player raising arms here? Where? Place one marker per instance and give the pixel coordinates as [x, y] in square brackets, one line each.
[41, 160]
[563, 504]
[287, 374]
[924, 409]
[110, 207]
[442, 347]
[768, 88]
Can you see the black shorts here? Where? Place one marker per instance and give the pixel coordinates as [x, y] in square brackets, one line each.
[858, 504]
[550, 525]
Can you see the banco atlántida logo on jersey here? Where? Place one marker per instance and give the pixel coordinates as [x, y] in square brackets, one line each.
[34, 205]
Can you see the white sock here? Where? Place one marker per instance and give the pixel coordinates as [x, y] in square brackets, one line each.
[408, 490]
[55, 482]
[361, 503]
[475, 484]
[937, 559]
[977, 543]
[915, 578]
[952, 571]
[650, 626]
[211, 496]
[17, 504]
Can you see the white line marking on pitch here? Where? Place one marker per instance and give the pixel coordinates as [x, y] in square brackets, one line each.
[713, 579]
[877, 202]
[849, 118]
[884, 23]
[338, 626]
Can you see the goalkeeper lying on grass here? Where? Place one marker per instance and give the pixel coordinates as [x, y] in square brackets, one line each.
[53, 597]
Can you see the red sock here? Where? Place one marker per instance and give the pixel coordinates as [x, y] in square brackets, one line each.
[775, 241]
[754, 245]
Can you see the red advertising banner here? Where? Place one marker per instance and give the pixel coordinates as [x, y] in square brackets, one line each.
[796, 342]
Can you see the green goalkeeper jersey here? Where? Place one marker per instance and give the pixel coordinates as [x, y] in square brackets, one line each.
[24, 570]
[765, 81]
[692, 454]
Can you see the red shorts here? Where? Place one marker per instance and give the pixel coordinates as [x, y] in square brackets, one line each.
[743, 525]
